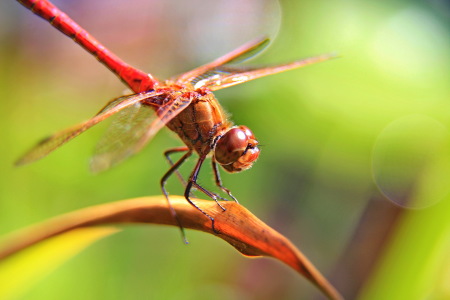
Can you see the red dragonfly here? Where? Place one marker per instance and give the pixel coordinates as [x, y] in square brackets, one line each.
[185, 104]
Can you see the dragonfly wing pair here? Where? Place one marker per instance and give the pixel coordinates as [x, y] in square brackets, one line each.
[131, 129]
[54, 141]
[223, 73]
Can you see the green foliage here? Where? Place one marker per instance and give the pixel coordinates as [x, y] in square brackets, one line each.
[22, 271]
[324, 130]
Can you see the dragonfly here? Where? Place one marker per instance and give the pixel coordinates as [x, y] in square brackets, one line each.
[185, 104]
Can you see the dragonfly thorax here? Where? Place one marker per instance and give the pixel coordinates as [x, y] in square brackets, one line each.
[237, 149]
[200, 122]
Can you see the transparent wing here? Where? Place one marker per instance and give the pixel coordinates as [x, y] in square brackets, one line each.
[240, 54]
[53, 142]
[225, 76]
[132, 130]
[165, 115]
[119, 140]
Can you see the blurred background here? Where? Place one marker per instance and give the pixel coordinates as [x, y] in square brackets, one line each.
[355, 162]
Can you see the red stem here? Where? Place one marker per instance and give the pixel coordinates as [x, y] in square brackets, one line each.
[137, 80]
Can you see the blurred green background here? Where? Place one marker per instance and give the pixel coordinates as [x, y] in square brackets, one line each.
[355, 162]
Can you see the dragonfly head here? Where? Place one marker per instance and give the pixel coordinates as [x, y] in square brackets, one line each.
[237, 149]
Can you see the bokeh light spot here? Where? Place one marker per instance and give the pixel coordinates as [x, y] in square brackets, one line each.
[411, 163]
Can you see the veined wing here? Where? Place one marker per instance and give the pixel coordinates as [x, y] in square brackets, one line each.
[165, 114]
[225, 76]
[51, 143]
[119, 140]
[240, 54]
[132, 130]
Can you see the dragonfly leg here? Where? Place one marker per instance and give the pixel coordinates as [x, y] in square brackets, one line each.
[192, 182]
[212, 195]
[166, 176]
[219, 180]
[167, 155]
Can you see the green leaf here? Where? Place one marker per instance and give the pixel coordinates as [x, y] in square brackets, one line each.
[417, 259]
[21, 271]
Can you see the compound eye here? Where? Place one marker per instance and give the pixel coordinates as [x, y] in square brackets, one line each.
[247, 132]
[237, 149]
[231, 146]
